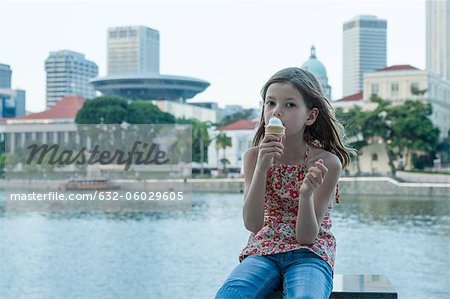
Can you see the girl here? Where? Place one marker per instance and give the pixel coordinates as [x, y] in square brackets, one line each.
[289, 187]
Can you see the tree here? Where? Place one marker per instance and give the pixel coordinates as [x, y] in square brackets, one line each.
[201, 140]
[406, 129]
[144, 112]
[353, 121]
[102, 110]
[244, 114]
[113, 110]
[410, 130]
[223, 141]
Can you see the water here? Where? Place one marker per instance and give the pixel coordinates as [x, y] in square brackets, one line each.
[188, 254]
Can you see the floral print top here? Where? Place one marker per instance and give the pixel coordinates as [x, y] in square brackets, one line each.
[280, 216]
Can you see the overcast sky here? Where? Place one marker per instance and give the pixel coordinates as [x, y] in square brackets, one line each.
[235, 45]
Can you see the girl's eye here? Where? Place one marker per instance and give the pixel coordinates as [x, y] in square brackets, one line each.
[290, 105]
[270, 103]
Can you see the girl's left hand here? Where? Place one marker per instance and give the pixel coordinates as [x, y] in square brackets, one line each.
[313, 178]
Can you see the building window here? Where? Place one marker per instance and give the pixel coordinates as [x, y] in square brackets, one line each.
[394, 89]
[374, 89]
[374, 157]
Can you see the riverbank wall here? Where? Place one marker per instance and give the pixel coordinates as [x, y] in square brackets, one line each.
[370, 186]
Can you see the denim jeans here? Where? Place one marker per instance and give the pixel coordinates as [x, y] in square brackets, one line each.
[300, 273]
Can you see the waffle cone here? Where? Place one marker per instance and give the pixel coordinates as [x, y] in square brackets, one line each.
[275, 130]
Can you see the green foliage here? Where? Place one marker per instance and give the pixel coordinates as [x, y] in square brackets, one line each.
[405, 128]
[223, 141]
[144, 112]
[200, 139]
[106, 110]
[245, 114]
[113, 110]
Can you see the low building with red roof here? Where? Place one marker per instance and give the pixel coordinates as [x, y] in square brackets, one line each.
[241, 133]
[55, 125]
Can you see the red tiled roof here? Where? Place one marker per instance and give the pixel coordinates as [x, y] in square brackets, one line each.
[354, 97]
[243, 124]
[399, 67]
[66, 108]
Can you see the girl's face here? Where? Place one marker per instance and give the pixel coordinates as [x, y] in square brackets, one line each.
[284, 101]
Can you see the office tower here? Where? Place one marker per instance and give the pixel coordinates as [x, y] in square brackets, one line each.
[68, 73]
[133, 50]
[12, 102]
[364, 50]
[5, 76]
[438, 37]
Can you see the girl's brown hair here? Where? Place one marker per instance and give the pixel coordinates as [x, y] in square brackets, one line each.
[326, 129]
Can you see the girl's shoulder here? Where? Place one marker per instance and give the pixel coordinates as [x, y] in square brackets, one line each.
[329, 159]
[252, 152]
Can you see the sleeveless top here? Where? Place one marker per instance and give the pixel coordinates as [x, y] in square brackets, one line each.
[280, 217]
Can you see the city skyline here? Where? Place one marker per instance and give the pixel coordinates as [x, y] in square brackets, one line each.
[197, 39]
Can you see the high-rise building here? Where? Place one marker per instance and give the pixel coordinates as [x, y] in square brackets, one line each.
[438, 37]
[12, 102]
[364, 50]
[133, 70]
[133, 50]
[5, 76]
[68, 73]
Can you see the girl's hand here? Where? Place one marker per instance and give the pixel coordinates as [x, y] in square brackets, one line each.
[314, 178]
[270, 148]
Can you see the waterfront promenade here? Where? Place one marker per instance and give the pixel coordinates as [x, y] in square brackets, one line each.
[374, 186]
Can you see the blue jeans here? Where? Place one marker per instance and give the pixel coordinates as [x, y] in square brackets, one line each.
[301, 273]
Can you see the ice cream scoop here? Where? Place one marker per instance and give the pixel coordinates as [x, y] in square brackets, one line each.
[275, 127]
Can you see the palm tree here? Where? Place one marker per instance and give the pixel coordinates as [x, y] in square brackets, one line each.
[223, 141]
[200, 134]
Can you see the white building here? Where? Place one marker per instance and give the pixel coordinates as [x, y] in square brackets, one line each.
[364, 50]
[132, 50]
[399, 83]
[180, 110]
[68, 73]
[241, 133]
[438, 37]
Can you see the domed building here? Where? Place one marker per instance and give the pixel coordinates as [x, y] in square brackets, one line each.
[318, 69]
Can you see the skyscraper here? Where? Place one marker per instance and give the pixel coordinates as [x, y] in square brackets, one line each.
[5, 76]
[438, 37]
[364, 50]
[68, 73]
[133, 50]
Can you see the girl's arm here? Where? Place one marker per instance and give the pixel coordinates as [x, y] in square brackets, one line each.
[254, 192]
[257, 161]
[317, 191]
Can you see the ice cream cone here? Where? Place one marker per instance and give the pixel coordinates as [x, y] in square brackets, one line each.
[275, 127]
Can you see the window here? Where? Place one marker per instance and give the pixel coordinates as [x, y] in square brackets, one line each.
[415, 88]
[374, 89]
[374, 157]
[394, 89]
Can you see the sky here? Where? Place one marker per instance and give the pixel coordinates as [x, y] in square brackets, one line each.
[234, 45]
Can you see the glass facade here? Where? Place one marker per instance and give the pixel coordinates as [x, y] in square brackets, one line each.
[364, 50]
[5, 76]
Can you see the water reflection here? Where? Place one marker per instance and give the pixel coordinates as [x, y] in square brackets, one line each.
[104, 253]
[431, 215]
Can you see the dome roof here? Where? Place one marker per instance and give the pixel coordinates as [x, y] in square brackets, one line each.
[315, 66]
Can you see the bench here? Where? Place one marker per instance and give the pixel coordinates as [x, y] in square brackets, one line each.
[356, 287]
